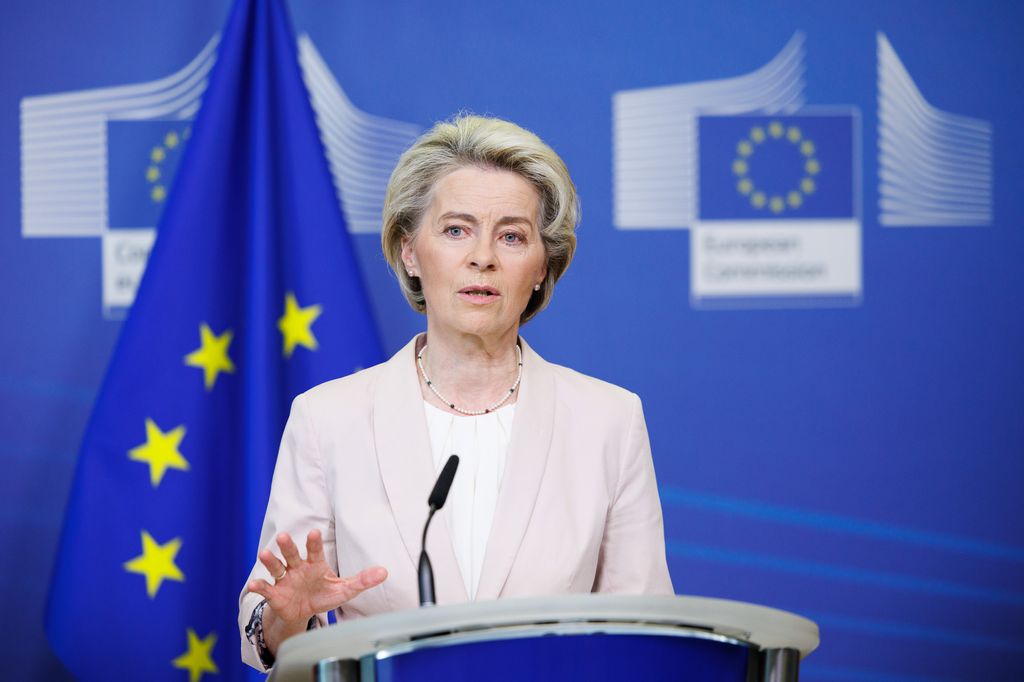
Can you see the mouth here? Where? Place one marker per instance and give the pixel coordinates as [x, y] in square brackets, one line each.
[479, 293]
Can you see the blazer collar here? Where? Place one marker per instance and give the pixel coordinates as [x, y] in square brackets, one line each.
[407, 470]
[524, 469]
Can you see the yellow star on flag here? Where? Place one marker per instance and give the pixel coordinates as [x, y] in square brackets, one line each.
[160, 451]
[197, 659]
[212, 354]
[156, 563]
[295, 325]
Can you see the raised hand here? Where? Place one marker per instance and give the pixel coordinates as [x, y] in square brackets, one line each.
[304, 587]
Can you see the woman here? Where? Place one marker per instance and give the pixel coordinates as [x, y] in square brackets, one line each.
[555, 492]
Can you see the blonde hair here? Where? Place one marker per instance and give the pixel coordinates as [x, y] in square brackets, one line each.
[492, 143]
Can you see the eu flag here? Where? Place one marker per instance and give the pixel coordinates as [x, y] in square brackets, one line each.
[777, 167]
[251, 295]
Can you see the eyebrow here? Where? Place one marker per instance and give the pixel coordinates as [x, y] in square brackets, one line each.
[469, 218]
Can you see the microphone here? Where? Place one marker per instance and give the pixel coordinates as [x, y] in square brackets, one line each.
[437, 499]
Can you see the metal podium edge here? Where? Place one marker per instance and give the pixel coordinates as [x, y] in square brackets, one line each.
[761, 626]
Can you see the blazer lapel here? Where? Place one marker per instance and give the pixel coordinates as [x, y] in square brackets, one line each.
[407, 470]
[524, 469]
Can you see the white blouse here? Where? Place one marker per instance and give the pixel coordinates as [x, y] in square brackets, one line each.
[481, 442]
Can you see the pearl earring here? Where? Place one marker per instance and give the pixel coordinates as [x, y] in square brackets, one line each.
[536, 287]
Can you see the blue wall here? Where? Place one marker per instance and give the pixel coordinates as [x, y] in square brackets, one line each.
[854, 459]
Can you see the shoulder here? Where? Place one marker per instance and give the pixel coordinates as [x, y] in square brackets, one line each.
[348, 389]
[355, 390]
[600, 397]
[568, 379]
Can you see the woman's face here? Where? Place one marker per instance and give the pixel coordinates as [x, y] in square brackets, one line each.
[478, 252]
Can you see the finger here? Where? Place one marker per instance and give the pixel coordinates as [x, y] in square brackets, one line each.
[288, 549]
[275, 567]
[262, 588]
[365, 579]
[315, 547]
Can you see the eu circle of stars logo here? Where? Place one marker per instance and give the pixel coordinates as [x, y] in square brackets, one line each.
[758, 139]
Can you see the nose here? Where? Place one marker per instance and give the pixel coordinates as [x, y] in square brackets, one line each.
[483, 255]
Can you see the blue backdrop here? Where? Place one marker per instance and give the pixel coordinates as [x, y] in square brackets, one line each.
[846, 448]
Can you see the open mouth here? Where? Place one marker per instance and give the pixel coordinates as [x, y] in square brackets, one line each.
[479, 291]
[478, 294]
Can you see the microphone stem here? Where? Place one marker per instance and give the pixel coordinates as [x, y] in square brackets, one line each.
[425, 574]
[426, 526]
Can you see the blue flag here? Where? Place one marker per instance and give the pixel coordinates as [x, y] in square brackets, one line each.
[777, 167]
[251, 295]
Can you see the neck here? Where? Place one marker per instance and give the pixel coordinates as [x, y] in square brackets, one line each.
[471, 371]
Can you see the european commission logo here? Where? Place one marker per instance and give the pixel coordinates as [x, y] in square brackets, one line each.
[766, 187]
[777, 216]
[770, 189]
[99, 163]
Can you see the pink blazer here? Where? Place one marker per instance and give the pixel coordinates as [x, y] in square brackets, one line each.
[578, 508]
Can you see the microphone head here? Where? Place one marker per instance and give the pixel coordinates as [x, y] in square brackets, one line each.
[444, 483]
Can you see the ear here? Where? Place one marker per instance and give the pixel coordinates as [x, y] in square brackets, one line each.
[409, 255]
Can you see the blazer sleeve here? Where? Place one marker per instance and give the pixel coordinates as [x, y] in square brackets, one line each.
[299, 502]
[632, 555]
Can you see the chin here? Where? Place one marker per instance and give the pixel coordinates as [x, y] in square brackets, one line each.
[480, 325]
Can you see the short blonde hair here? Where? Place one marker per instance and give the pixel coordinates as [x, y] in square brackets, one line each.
[493, 143]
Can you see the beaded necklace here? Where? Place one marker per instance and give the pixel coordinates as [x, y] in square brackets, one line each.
[471, 413]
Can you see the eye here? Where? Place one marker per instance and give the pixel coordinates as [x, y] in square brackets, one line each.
[512, 238]
[454, 231]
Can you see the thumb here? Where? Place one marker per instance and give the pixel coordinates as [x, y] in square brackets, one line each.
[367, 578]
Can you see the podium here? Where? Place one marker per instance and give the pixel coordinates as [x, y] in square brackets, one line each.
[585, 637]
